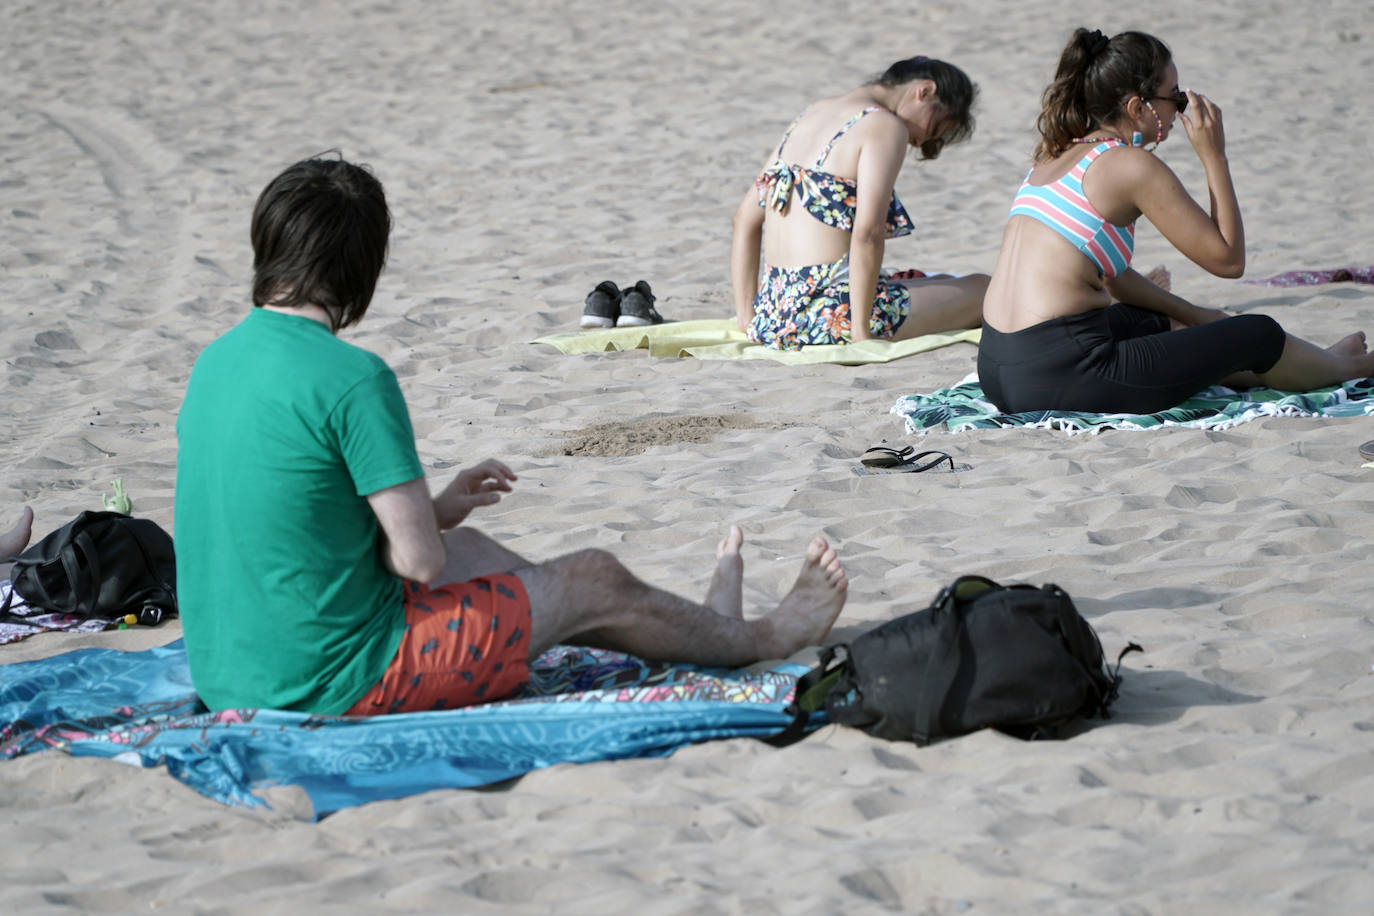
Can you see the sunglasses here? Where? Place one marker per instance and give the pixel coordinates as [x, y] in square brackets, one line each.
[1179, 98]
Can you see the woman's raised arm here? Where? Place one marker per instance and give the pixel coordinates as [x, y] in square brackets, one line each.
[1215, 241]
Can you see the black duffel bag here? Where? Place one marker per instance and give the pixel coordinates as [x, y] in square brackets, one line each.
[1015, 658]
[100, 564]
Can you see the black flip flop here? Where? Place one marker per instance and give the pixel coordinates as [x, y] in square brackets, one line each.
[908, 459]
[880, 456]
[1367, 450]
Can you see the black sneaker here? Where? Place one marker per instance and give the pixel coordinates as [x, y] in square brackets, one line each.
[603, 306]
[637, 307]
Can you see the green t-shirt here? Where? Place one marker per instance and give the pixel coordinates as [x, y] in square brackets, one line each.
[284, 598]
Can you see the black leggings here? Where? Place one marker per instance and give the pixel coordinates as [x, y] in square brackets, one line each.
[1119, 359]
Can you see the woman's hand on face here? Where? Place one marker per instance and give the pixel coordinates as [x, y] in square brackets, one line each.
[1202, 122]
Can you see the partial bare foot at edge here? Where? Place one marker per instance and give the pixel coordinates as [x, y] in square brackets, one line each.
[725, 594]
[1160, 276]
[1350, 345]
[17, 538]
[809, 610]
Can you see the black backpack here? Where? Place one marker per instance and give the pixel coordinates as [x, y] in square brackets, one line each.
[1018, 659]
[100, 564]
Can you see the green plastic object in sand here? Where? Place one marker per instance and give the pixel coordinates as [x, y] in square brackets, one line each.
[120, 502]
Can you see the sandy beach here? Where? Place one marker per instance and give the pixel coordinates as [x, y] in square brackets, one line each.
[532, 149]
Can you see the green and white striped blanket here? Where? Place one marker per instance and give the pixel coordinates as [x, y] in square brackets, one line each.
[1218, 407]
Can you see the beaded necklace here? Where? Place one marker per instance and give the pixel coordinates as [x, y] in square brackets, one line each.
[1137, 139]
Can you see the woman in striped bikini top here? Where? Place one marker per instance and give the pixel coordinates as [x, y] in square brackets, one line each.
[1063, 207]
[1067, 324]
[1069, 238]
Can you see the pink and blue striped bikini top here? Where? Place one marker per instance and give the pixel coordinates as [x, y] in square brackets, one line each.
[1062, 206]
[825, 195]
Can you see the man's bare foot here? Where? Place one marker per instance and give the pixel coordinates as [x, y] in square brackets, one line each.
[1350, 345]
[17, 538]
[1160, 277]
[808, 612]
[725, 595]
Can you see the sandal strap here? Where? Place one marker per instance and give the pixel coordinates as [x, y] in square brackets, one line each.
[939, 457]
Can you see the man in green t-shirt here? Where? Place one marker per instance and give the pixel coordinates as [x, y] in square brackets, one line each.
[315, 571]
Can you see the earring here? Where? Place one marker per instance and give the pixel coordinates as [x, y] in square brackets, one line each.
[1159, 125]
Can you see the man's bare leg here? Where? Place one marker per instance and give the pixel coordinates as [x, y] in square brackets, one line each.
[590, 598]
[471, 554]
[725, 595]
[15, 540]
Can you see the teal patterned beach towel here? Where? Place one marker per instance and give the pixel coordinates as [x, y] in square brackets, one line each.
[1218, 407]
[580, 705]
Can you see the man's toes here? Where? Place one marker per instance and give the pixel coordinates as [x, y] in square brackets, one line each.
[816, 549]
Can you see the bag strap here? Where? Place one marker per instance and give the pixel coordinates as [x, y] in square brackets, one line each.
[38, 595]
[947, 654]
[154, 571]
[1077, 632]
[86, 590]
[1081, 639]
[1075, 629]
[812, 689]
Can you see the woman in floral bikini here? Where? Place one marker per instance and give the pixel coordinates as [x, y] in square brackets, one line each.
[838, 163]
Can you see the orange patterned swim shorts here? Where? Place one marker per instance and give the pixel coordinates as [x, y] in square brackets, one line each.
[464, 644]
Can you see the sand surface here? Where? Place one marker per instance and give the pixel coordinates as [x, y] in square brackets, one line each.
[533, 149]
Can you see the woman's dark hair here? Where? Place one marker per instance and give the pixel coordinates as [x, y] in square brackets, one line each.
[320, 232]
[955, 94]
[1096, 76]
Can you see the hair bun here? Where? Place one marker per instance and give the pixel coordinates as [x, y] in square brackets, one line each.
[1096, 42]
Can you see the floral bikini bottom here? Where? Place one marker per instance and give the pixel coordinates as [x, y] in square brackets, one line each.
[797, 306]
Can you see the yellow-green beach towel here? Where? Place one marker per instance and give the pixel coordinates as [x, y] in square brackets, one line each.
[721, 338]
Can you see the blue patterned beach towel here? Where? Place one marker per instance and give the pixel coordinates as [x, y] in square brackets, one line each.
[580, 705]
[1218, 407]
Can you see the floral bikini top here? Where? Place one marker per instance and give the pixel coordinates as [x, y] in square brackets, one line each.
[826, 196]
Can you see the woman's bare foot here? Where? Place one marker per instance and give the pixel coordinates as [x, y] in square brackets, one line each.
[808, 612]
[725, 595]
[17, 538]
[1160, 277]
[1350, 345]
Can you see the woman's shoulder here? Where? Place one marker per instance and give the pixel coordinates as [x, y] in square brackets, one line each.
[1116, 158]
[870, 123]
[835, 112]
[1125, 162]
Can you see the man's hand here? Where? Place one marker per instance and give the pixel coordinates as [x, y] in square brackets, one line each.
[479, 485]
